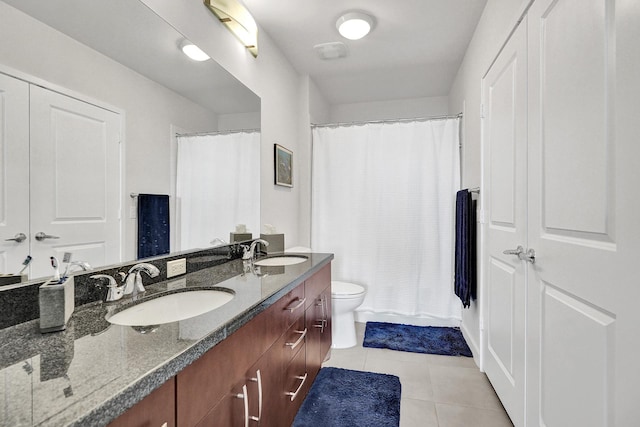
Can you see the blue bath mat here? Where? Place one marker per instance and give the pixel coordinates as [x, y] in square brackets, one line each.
[416, 339]
[346, 398]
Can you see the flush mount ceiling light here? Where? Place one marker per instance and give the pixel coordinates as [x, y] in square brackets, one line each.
[238, 20]
[193, 51]
[354, 25]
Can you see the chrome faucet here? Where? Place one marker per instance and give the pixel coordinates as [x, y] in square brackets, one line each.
[133, 279]
[81, 264]
[250, 251]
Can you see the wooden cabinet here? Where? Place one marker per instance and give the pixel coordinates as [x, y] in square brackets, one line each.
[156, 410]
[318, 321]
[262, 372]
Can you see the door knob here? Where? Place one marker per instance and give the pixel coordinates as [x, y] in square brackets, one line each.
[19, 238]
[40, 236]
[530, 256]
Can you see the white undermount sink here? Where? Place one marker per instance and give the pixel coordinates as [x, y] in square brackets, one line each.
[281, 260]
[172, 307]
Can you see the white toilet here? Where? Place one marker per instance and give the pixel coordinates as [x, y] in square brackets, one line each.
[345, 298]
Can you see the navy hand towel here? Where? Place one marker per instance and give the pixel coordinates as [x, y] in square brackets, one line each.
[465, 259]
[153, 225]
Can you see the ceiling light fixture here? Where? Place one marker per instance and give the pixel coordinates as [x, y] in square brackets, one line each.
[238, 20]
[354, 25]
[193, 51]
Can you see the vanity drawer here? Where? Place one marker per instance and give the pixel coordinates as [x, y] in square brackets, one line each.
[290, 308]
[293, 340]
[296, 385]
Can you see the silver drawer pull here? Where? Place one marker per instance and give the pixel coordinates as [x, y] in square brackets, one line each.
[245, 397]
[297, 306]
[295, 344]
[294, 394]
[258, 379]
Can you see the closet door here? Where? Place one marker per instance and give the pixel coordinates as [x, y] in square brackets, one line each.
[14, 173]
[584, 212]
[75, 181]
[505, 196]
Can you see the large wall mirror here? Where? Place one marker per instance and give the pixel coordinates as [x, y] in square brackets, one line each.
[116, 68]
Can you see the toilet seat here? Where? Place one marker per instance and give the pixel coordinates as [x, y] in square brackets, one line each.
[345, 290]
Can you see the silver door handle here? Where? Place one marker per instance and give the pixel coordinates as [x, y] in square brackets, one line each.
[529, 256]
[517, 251]
[40, 236]
[19, 238]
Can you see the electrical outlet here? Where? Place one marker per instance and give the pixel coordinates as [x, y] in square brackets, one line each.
[176, 267]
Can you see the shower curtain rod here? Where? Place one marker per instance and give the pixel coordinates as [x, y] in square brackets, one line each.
[220, 132]
[416, 119]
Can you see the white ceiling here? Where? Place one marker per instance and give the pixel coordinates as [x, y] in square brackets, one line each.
[413, 51]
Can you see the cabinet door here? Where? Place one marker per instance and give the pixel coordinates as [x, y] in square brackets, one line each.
[325, 340]
[264, 389]
[317, 283]
[315, 324]
[14, 170]
[156, 410]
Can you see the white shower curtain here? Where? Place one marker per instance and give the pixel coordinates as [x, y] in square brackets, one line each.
[383, 202]
[218, 186]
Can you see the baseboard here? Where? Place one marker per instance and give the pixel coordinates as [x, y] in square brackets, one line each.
[473, 345]
[369, 316]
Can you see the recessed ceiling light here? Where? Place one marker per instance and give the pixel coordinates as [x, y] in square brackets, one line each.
[354, 25]
[193, 51]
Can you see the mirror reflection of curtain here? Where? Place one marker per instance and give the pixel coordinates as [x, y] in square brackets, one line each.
[383, 202]
[218, 186]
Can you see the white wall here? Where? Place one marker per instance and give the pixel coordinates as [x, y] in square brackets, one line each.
[497, 21]
[30, 47]
[393, 109]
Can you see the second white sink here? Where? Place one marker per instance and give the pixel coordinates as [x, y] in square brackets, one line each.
[171, 307]
[281, 260]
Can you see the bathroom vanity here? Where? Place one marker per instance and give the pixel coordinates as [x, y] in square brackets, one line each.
[256, 356]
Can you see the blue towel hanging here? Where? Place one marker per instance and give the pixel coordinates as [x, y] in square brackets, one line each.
[153, 225]
[465, 257]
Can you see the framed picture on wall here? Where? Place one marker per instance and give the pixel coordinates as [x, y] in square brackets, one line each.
[283, 166]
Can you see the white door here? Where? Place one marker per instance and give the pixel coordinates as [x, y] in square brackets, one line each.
[504, 193]
[584, 224]
[75, 181]
[14, 173]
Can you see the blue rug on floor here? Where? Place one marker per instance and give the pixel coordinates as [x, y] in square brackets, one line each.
[346, 398]
[416, 339]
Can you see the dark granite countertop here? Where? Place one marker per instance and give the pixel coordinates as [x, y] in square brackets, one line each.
[94, 371]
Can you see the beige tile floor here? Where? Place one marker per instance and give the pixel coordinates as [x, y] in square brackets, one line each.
[437, 391]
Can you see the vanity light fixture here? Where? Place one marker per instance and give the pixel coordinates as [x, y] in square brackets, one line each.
[354, 25]
[238, 20]
[193, 51]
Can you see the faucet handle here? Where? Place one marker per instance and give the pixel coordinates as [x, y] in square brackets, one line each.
[114, 293]
[111, 281]
[246, 251]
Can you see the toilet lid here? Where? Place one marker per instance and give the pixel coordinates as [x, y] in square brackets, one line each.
[345, 289]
